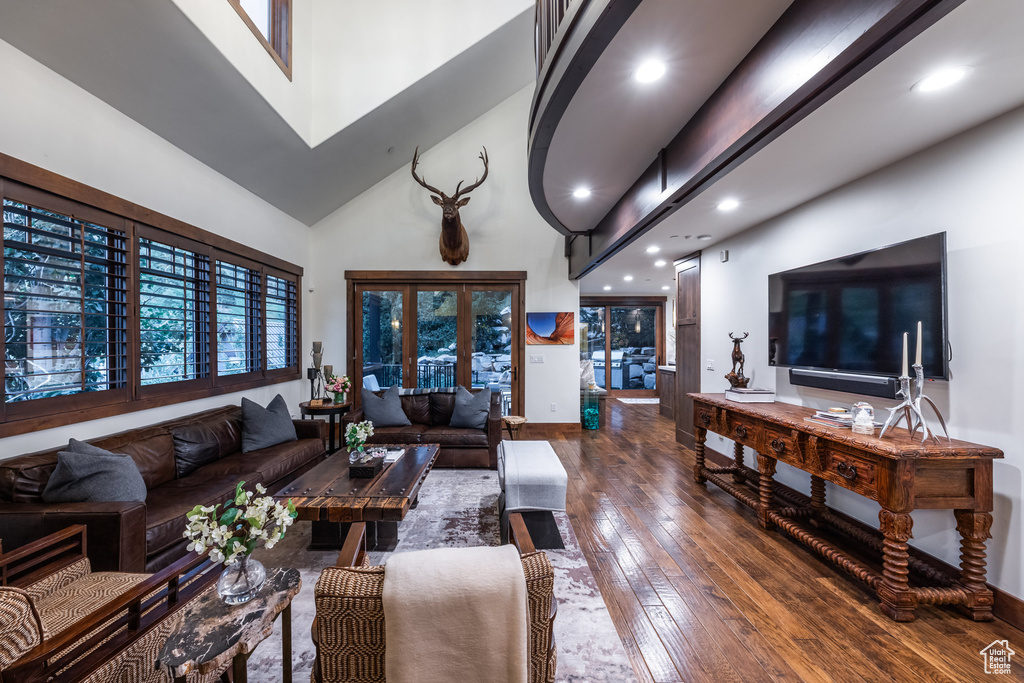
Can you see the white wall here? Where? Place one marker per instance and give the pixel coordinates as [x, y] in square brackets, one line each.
[72, 133]
[395, 226]
[366, 52]
[969, 187]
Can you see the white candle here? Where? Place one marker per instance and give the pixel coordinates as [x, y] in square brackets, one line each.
[906, 370]
[918, 361]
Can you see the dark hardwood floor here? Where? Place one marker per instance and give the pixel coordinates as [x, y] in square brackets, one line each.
[699, 592]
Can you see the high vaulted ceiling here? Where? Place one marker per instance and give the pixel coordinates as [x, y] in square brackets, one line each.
[872, 123]
[154, 64]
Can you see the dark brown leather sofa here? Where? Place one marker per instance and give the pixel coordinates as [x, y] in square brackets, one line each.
[137, 537]
[430, 415]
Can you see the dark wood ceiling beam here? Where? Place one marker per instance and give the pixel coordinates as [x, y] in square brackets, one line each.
[817, 48]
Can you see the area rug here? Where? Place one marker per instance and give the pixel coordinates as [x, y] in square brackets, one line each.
[640, 401]
[459, 508]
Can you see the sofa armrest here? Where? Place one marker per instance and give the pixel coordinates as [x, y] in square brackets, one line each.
[494, 430]
[311, 429]
[115, 532]
[351, 417]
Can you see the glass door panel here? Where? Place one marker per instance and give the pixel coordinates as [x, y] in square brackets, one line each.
[634, 348]
[382, 338]
[437, 348]
[592, 341]
[491, 343]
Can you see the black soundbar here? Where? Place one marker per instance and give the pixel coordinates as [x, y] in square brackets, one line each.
[868, 385]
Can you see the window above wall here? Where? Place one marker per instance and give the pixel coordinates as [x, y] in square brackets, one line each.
[271, 23]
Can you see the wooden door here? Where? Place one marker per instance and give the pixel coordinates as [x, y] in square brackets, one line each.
[687, 345]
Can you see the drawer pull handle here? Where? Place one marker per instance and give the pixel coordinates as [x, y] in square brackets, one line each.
[778, 445]
[705, 419]
[848, 472]
[741, 431]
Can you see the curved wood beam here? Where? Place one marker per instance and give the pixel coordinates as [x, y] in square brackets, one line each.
[760, 100]
[587, 30]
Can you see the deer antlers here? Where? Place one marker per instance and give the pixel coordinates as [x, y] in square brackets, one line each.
[458, 192]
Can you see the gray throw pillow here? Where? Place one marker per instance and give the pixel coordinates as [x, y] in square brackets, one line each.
[471, 409]
[266, 427]
[385, 410]
[89, 474]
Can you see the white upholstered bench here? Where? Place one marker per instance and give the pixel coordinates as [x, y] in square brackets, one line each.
[531, 478]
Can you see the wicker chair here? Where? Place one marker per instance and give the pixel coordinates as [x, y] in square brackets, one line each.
[70, 623]
[349, 627]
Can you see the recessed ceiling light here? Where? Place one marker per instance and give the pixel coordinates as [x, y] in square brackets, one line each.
[607, 287]
[649, 71]
[660, 262]
[704, 237]
[628, 278]
[941, 79]
[581, 192]
[666, 287]
[674, 236]
[728, 204]
[653, 249]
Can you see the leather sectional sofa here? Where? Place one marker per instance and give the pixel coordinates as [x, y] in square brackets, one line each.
[430, 414]
[137, 537]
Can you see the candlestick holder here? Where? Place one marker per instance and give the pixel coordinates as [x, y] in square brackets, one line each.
[910, 409]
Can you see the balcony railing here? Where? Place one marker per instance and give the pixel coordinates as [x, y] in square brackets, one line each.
[428, 375]
[550, 15]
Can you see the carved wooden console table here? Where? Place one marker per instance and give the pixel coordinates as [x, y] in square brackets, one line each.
[900, 473]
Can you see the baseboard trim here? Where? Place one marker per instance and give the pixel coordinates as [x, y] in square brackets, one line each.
[544, 430]
[1007, 607]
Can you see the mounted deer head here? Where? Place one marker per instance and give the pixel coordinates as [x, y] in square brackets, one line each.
[454, 239]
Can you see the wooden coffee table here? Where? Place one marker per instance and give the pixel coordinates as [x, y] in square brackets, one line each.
[331, 500]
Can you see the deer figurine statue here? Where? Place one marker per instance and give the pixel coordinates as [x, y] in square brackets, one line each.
[454, 239]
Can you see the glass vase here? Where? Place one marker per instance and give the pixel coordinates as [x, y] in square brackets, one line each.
[340, 397]
[241, 581]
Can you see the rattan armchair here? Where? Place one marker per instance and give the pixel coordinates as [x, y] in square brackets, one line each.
[64, 622]
[349, 626]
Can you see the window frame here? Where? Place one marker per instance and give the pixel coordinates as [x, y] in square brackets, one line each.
[87, 203]
[21, 410]
[292, 278]
[279, 46]
[220, 380]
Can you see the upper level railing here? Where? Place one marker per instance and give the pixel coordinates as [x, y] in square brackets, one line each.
[550, 14]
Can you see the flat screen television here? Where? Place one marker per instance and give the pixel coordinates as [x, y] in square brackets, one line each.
[845, 318]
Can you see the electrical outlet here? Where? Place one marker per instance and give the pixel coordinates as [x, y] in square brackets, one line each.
[711, 365]
[536, 358]
[554, 407]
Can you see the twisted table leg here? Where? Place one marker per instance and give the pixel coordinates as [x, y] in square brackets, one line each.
[974, 528]
[898, 600]
[701, 436]
[737, 455]
[766, 470]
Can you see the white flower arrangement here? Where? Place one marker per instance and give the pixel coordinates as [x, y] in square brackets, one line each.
[238, 529]
[357, 433]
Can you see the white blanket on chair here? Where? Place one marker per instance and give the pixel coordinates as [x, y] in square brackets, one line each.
[456, 614]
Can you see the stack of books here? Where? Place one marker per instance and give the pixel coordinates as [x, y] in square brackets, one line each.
[750, 395]
[835, 417]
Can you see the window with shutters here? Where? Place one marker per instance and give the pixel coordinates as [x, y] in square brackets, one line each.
[174, 313]
[282, 315]
[65, 303]
[239, 320]
[110, 307]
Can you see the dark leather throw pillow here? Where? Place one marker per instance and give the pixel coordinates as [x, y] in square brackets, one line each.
[385, 410]
[471, 409]
[89, 474]
[266, 427]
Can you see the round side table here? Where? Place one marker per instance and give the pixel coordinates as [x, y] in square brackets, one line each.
[513, 423]
[332, 411]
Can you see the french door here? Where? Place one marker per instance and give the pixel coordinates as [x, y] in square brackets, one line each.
[625, 339]
[428, 333]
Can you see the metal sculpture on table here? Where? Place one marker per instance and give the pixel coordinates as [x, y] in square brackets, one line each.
[315, 374]
[910, 407]
[736, 378]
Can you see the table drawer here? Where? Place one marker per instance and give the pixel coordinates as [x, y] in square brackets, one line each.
[742, 429]
[851, 471]
[781, 445]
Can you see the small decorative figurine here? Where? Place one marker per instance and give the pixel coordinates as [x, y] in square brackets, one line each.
[736, 379]
[910, 407]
